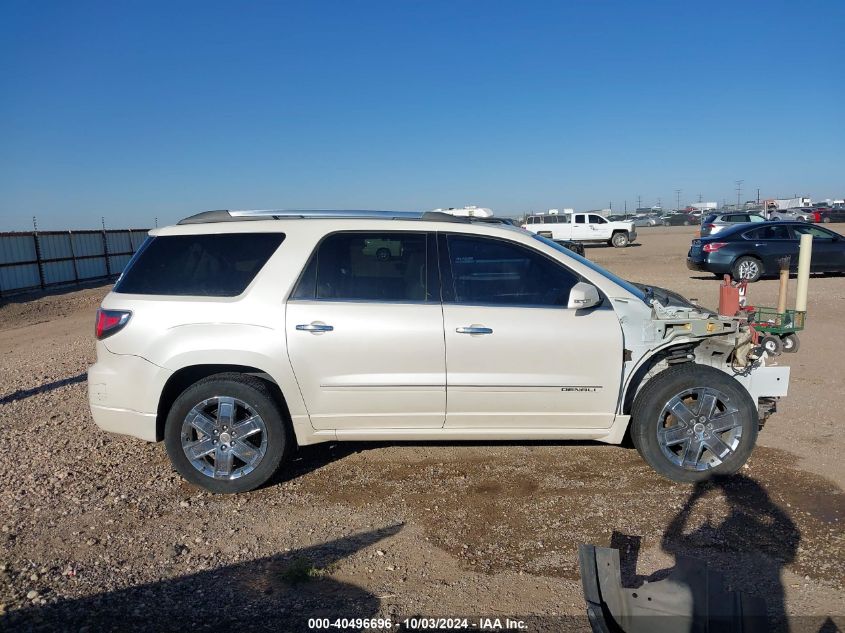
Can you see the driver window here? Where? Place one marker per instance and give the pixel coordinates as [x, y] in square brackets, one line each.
[496, 272]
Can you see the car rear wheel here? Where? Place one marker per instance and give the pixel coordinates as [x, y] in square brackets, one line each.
[226, 433]
[748, 268]
[619, 240]
[693, 421]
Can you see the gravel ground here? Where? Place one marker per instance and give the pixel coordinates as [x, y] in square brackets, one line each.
[99, 533]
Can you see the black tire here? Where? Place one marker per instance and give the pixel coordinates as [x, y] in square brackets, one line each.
[790, 343]
[826, 220]
[687, 223]
[619, 240]
[383, 254]
[751, 272]
[250, 390]
[772, 344]
[647, 418]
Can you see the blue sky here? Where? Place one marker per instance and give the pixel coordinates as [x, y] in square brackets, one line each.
[136, 110]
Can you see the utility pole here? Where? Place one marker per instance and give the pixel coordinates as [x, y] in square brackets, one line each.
[758, 195]
[626, 206]
[738, 192]
[660, 202]
[678, 197]
[700, 198]
[156, 222]
[639, 201]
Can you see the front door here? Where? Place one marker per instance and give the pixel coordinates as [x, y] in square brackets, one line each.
[828, 253]
[601, 227]
[517, 357]
[365, 333]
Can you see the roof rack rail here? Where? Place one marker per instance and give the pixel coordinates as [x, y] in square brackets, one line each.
[278, 214]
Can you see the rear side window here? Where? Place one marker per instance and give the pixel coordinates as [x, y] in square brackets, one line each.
[198, 265]
[771, 232]
[391, 267]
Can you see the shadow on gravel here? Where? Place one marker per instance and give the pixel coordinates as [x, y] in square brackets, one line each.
[750, 546]
[277, 593]
[310, 458]
[22, 394]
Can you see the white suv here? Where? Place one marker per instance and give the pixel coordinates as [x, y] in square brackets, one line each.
[237, 336]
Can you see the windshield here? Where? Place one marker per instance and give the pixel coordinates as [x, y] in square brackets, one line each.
[627, 285]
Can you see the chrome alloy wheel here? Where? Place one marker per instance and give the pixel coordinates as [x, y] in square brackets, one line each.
[748, 269]
[699, 428]
[224, 438]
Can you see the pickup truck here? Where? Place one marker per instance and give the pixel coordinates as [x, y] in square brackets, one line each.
[581, 227]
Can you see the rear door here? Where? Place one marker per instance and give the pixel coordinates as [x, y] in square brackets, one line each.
[580, 230]
[771, 242]
[517, 357]
[364, 331]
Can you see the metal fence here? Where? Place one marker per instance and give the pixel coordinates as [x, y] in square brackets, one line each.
[35, 260]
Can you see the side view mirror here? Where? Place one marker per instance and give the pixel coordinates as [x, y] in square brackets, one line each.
[583, 295]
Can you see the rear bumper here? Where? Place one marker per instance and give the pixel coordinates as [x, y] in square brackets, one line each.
[125, 422]
[123, 393]
[710, 262]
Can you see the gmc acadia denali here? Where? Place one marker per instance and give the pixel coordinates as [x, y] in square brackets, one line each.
[236, 336]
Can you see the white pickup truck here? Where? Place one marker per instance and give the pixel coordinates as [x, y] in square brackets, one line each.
[581, 227]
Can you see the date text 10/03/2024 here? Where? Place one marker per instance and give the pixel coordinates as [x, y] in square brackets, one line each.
[418, 624]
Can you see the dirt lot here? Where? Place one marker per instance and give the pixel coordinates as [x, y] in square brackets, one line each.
[99, 532]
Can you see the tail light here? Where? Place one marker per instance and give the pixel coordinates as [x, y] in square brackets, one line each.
[110, 322]
[709, 226]
[713, 246]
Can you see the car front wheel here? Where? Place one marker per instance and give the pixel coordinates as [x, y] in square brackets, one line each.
[619, 240]
[226, 433]
[693, 421]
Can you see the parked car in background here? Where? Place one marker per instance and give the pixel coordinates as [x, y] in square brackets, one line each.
[751, 251]
[802, 214]
[715, 222]
[582, 227]
[679, 219]
[647, 219]
[834, 213]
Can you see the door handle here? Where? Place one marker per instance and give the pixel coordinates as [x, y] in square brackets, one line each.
[474, 329]
[314, 327]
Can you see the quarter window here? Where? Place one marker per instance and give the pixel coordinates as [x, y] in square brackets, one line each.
[496, 272]
[198, 265]
[368, 267]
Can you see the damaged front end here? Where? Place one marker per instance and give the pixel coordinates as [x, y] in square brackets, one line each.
[679, 331]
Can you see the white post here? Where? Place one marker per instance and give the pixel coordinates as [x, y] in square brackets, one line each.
[805, 252]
